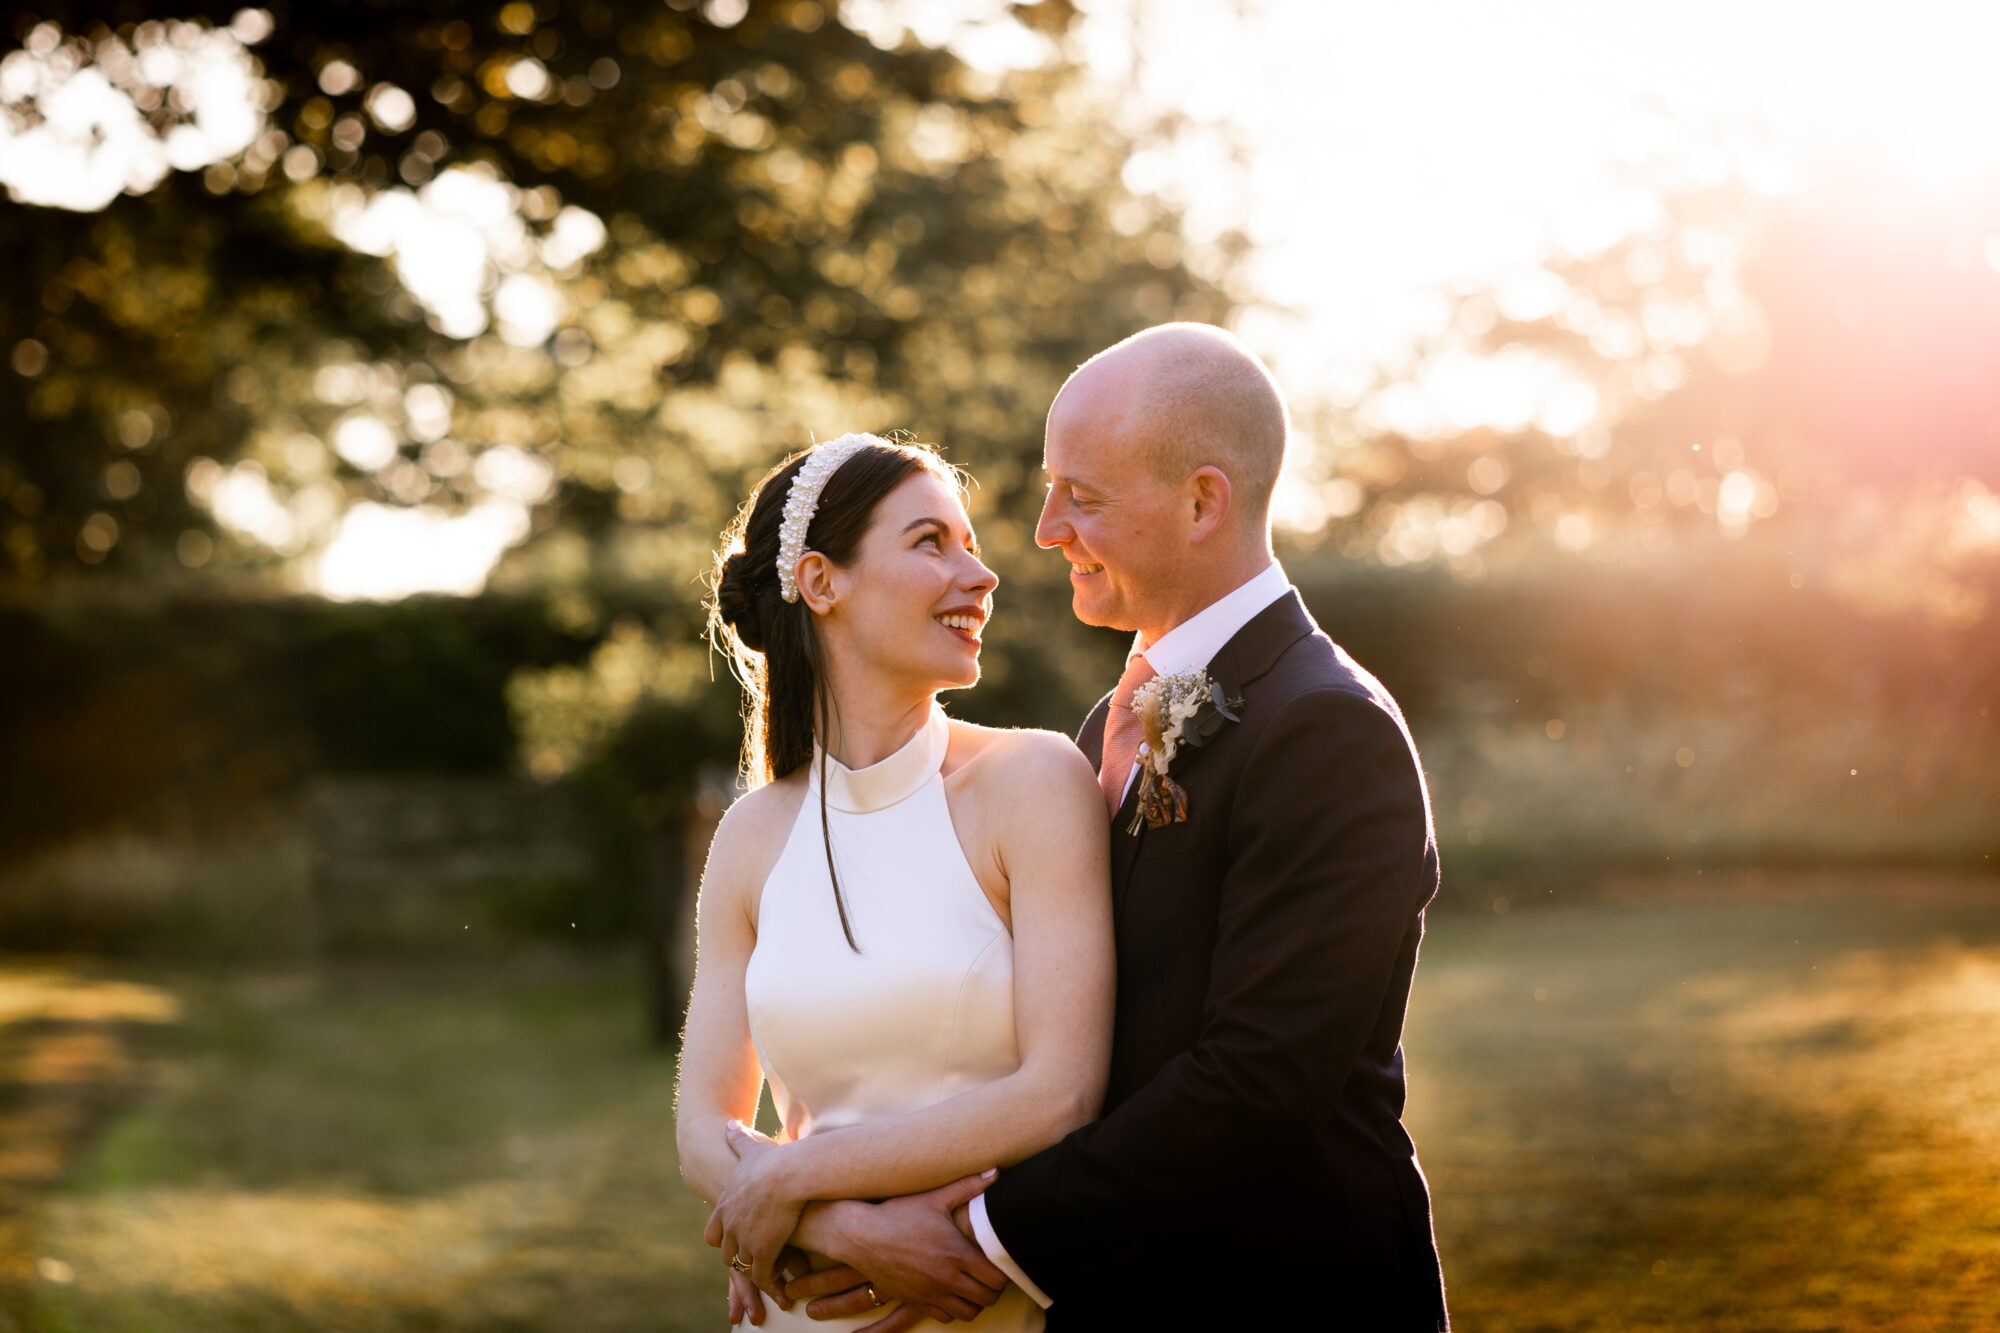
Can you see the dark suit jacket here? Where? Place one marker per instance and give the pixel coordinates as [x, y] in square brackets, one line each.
[1252, 1138]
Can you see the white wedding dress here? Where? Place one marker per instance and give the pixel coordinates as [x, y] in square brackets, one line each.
[923, 1011]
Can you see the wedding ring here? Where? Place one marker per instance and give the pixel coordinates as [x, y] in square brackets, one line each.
[871, 1294]
[738, 1264]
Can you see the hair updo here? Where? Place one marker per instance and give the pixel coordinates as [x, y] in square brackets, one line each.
[771, 643]
[736, 604]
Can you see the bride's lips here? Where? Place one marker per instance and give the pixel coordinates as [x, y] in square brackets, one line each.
[963, 621]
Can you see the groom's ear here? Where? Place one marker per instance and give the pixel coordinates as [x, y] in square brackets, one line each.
[1207, 494]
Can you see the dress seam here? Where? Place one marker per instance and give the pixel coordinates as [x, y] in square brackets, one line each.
[958, 1010]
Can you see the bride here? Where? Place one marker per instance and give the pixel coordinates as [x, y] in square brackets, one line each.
[905, 928]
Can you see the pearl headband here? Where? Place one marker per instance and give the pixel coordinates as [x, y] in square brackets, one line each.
[802, 501]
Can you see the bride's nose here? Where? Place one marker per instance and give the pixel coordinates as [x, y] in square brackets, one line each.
[978, 577]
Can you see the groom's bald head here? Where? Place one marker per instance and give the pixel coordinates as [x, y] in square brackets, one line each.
[1161, 455]
[1192, 396]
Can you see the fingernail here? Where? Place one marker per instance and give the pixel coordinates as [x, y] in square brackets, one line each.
[989, 1173]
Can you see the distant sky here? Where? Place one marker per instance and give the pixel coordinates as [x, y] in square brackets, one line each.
[1397, 147]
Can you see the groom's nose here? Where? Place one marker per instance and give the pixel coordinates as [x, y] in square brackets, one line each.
[1048, 531]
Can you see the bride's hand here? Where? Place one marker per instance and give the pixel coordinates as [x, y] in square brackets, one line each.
[757, 1212]
[745, 1301]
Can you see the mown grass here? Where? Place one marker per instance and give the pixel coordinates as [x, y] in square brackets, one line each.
[388, 1149]
[1757, 1103]
[1742, 1103]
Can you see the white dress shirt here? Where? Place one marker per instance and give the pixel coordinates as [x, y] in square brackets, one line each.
[1192, 643]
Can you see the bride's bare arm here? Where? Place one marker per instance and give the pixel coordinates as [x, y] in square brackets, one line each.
[1054, 847]
[719, 1077]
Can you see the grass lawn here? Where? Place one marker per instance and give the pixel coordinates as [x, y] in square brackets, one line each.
[1761, 1105]
[383, 1150]
[1758, 1104]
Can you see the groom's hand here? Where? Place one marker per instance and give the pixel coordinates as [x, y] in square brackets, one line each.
[912, 1250]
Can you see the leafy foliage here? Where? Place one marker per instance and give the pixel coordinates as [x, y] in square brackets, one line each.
[794, 232]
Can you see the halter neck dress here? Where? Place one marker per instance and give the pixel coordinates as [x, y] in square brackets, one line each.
[922, 1011]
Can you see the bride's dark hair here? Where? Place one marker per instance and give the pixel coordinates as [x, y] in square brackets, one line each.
[771, 643]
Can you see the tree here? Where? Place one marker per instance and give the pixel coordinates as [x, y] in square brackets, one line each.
[682, 241]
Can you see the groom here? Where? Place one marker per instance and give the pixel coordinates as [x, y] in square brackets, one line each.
[1251, 1166]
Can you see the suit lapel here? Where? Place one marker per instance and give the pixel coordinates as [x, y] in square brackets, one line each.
[1124, 849]
[1259, 644]
[1248, 655]
[1090, 739]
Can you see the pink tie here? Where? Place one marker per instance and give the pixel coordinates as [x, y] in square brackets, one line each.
[1121, 732]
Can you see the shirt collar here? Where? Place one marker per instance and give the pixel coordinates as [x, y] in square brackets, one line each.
[1195, 641]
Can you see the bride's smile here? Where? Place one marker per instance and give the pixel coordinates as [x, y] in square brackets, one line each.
[963, 621]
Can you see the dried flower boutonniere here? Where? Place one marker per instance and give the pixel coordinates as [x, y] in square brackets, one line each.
[1186, 708]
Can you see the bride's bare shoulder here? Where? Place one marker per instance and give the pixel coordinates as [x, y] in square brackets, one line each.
[769, 809]
[754, 829]
[1014, 759]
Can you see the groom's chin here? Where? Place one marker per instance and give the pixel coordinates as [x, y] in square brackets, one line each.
[1091, 611]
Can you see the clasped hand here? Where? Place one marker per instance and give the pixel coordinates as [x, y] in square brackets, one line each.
[915, 1250]
[754, 1219]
